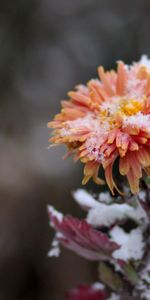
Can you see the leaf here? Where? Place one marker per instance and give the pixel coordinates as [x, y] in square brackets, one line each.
[109, 277]
[131, 274]
[89, 292]
[80, 237]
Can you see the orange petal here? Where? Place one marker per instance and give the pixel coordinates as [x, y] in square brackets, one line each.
[144, 157]
[147, 170]
[109, 160]
[140, 140]
[91, 169]
[133, 182]
[112, 135]
[124, 165]
[135, 164]
[121, 78]
[105, 81]
[133, 146]
[95, 91]
[109, 179]
[77, 96]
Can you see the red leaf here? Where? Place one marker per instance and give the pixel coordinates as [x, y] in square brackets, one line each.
[80, 237]
[86, 292]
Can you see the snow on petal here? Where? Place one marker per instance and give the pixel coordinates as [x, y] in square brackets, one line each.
[139, 120]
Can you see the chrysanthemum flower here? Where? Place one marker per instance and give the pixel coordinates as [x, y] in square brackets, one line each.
[109, 118]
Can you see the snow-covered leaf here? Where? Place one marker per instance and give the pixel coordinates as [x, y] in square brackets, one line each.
[79, 236]
[106, 214]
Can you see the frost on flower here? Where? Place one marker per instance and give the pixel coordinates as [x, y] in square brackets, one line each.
[106, 119]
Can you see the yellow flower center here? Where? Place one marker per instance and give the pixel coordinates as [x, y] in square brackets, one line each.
[131, 107]
[116, 109]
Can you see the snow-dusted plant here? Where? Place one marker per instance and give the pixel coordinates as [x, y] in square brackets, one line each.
[105, 121]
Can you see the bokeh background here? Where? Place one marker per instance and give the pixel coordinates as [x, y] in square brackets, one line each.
[46, 48]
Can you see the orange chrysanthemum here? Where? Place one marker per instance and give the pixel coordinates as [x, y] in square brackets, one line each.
[109, 119]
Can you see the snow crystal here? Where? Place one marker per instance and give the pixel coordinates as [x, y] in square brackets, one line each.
[140, 215]
[142, 195]
[55, 213]
[102, 214]
[135, 88]
[139, 120]
[145, 61]
[105, 197]
[111, 106]
[84, 198]
[93, 146]
[55, 247]
[97, 286]
[132, 245]
[78, 125]
[55, 250]
[114, 296]
[87, 122]
[107, 215]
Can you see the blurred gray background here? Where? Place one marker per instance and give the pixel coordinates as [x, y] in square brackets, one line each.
[46, 48]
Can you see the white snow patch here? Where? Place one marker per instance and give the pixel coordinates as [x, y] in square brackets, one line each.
[145, 61]
[107, 214]
[83, 198]
[111, 106]
[98, 286]
[135, 88]
[55, 250]
[114, 296]
[88, 123]
[132, 245]
[138, 120]
[105, 198]
[55, 246]
[55, 213]
[142, 195]
[140, 215]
